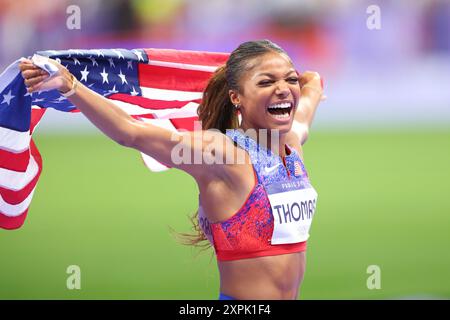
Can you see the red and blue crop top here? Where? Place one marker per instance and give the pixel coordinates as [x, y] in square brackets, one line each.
[249, 233]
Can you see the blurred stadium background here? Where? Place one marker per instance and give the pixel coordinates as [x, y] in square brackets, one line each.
[379, 152]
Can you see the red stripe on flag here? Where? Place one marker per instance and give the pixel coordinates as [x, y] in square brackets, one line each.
[146, 116]
[15, 197]
[188, 57]
[14, 161]
[184, 123]
[172, 78]
[11, 223]
[36, 115]
[150, 103]
[19, 161]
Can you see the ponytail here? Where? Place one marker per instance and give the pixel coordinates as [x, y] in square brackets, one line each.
[216, 110]
[197, 238]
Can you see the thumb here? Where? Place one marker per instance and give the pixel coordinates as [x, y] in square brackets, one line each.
[303, 80]
[54, 69]
[51, 83]
[47, 64]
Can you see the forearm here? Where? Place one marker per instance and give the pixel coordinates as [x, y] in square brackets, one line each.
[122, 128]
[306, 110]
[307, 107]
[104, 114]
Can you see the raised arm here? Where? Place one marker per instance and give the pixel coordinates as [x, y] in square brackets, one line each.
[312, 94]
[118, 125]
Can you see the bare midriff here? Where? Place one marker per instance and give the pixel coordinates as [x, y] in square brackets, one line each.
[271, 277]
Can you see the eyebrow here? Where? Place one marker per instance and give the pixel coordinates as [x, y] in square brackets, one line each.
[271, 75]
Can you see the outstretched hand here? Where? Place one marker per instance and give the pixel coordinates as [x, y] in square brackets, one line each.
[37, 79]
[312, 80]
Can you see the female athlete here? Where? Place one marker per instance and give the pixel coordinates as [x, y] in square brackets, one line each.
[255, 212]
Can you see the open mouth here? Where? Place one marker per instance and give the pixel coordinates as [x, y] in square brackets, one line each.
[280, 110]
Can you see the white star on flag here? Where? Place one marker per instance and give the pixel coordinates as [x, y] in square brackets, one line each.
[139, 55]
[130, 64]
[99, 53]
[119, 54]
[104, 76]
[113, 90]
[60, 99]
[94, 62]
[122, 77]
[7, 98]
[75, 60]
[84, 74]
[134, 92]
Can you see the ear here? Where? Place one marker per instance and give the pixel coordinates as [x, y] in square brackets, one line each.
[234, 97]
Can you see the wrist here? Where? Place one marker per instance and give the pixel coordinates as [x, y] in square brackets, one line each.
[67, 83]
[69, 86]
[313, 89]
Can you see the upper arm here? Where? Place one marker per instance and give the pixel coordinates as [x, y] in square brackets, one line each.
[293, 140]
[299, 131]
[193, 152]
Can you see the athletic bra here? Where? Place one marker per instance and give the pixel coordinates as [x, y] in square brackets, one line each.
[254, 230]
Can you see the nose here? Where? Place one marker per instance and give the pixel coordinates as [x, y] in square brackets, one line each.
[282, 89]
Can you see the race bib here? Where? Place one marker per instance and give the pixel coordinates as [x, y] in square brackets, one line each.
[204, 224]
[293, 205]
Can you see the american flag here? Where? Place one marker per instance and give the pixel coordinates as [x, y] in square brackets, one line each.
[160, 86]
[297, 169]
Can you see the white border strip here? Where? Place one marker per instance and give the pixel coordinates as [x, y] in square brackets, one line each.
[189, 110]
[170, 95]
[16, 180]
[184, 66]
[14, 141]
[151, 163]
[15, 210]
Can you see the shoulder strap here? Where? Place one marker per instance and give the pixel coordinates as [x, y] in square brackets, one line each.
[268, 167]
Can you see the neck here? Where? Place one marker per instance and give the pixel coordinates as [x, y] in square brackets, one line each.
[272, 140]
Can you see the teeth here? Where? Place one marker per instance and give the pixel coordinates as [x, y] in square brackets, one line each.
[281, 116]
[280, 105]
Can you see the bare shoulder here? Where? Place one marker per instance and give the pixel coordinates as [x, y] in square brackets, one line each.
[225, 178]
[212, 155]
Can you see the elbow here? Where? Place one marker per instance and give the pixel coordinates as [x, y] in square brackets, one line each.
[126, 136]
[125, 142]
[302, 131]
[304, 137]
